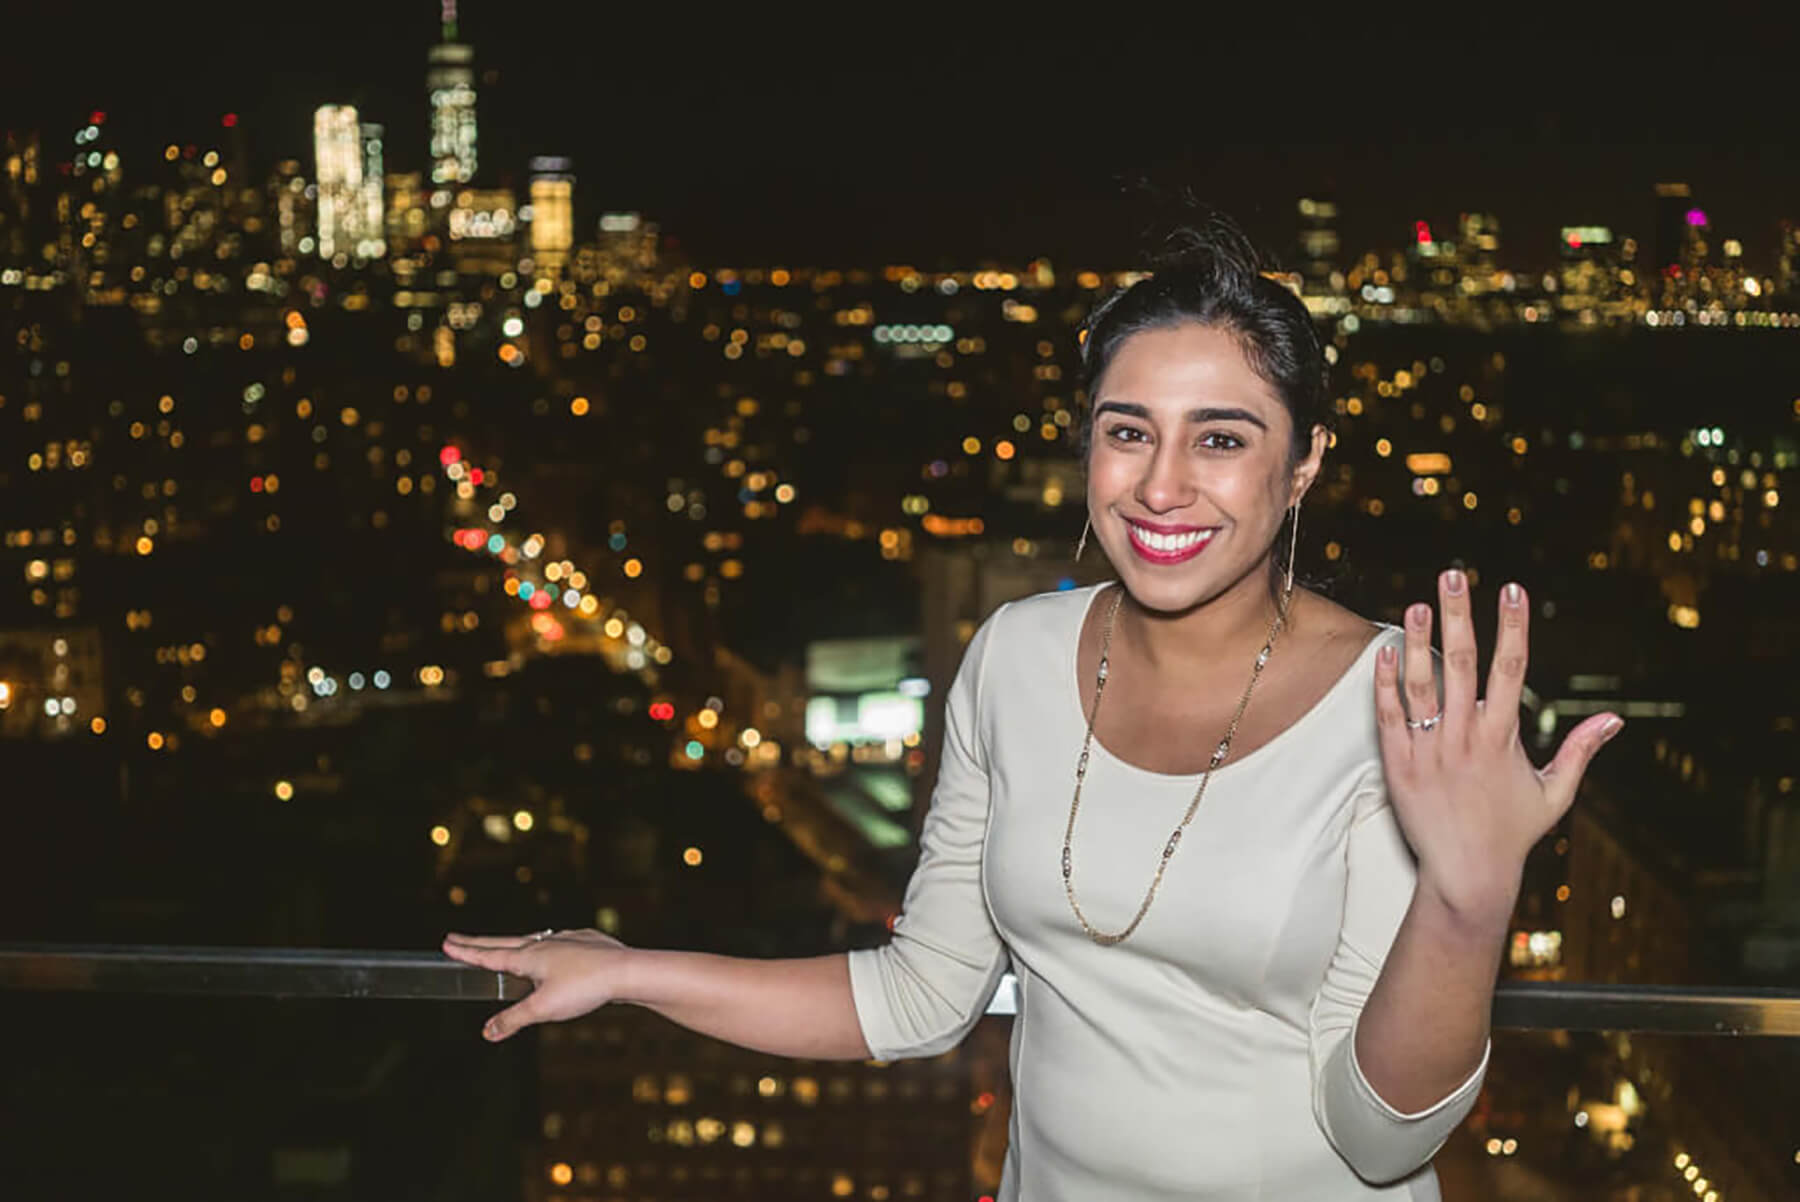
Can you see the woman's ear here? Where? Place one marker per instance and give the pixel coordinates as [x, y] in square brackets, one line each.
[1307, 470]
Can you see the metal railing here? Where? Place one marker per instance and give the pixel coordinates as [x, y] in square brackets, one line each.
[431, 976]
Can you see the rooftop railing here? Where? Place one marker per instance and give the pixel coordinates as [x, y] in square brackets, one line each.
[431, 976]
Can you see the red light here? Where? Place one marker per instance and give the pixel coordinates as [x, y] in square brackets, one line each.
[540, 600]
[97, 117]
[1422, 231]
[662, 711]
[228, 120]
[256, 484]
[475, 476]
[448, 456]
[1574, 241]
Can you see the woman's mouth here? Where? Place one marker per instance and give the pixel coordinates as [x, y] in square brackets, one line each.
[1166, 547]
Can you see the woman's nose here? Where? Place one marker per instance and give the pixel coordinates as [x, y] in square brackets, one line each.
[1163, 486]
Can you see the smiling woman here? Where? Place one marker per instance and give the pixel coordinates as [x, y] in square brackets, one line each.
[1271, 969]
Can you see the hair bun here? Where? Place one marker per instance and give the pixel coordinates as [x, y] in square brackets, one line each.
[1214, 247]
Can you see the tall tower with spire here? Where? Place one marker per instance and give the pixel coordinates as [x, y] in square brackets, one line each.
[450, 85]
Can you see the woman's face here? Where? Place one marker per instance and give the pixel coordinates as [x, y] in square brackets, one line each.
[1188, 476]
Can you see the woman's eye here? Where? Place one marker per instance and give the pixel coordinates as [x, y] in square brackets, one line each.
[1218, 440]
[1125, 434]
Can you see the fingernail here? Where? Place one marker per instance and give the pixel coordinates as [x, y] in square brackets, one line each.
[1611, 728]
[1513, 593]
[1416, 615]
[490, 1032]
[1386, 654]
[1454, 582]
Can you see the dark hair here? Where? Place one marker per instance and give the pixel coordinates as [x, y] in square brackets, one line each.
[1209, 273]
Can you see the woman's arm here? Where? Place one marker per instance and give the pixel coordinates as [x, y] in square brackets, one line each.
[800, 1008]
[1472, 806]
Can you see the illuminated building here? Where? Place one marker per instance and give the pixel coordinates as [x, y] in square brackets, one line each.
[1319, 244]
[369, 224]
[1787, 266]
[484, 228]
[404, 222]
[552, 215]
[1673, 202]
[627, 243]
[450, 85]
[295, 211]
[338, 169]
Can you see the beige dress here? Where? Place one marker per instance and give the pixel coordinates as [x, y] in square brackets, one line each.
[1210, 1056]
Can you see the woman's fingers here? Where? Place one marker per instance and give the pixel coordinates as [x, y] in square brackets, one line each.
[487, 940]
[1562, 775]
[1506, 675]
[1390, 717]
[500, 959]
[1459, 650]
[510, 1021]
[1421, 684]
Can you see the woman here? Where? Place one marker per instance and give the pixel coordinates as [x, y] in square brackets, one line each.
[1255, 909]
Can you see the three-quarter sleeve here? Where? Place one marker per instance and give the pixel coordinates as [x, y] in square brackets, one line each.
[1377, 1141]
[920, 993]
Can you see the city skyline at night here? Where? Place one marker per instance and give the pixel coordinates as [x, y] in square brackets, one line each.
[506, 468]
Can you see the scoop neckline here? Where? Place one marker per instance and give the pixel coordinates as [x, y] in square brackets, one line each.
[1072, 691]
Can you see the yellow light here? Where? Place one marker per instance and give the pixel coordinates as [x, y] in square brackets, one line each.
[1469, 500]
[1562, 893]
[98, 726]
[633, 568]
[522, 819]
[784, 493]
[145, 545]
[1674, 540]
[707, 719]
[1478, 411]
[579, 406]
[217, 717]
[1003, 449]
[691, 857]
[751, 737]
[155, 740]
[561, 1173]
[842, 1186]
[284, 790]
[697, 279]
[1771, 498]
[1428, 463]
[971, 445]
[440, 835]
[1383, 447]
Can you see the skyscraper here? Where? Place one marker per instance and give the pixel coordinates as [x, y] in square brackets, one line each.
[552, 215]
[370, 215]
[1673, 203]
[338, 169]
[450, 84]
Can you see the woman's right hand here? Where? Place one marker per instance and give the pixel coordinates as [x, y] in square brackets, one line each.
[572, 973]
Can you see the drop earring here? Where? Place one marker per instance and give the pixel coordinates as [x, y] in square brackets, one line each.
[1081, 545]
[1293, 550]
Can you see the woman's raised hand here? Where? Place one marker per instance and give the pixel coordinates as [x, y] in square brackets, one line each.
[1468, 798]
[572, 972]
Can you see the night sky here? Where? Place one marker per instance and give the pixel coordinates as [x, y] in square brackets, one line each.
[887, 134]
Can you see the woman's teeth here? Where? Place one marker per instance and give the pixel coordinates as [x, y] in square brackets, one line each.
[1168, 542]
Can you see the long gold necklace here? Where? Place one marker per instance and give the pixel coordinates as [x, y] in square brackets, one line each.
[1218, 757]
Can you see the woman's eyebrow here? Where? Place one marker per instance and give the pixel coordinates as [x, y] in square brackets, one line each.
[1207, 413]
